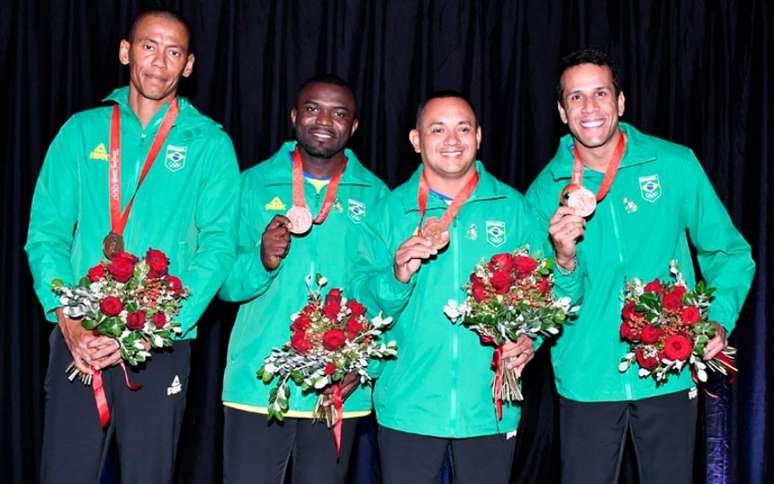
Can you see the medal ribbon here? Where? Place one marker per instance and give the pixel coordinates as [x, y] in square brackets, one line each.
[298, 187]
[610, 171]
[453, 209]
[117, 218]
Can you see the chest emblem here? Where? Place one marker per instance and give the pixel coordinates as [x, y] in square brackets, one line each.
[495, 232]
[99, 153]
[275, 204]
[650, 188]
[175, 159]
[356, 210]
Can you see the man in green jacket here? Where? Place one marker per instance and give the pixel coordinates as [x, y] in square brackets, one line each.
[186, 206]
[437, 393]
[275, 256]
[658, 197]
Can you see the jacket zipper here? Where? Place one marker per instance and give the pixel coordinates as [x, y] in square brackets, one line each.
[617, 235]
[455, 338]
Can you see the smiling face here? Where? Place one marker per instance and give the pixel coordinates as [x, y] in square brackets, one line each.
[157, 56]
[447, 136]
[324, 119]
[590, 107]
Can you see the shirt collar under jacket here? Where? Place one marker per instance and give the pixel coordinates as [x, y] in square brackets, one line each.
[487, 189]
[281, 172]
[638, 151]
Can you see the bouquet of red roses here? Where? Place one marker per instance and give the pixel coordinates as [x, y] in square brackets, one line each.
[331, 338]
[130, 300]
[667, 327]
[509, 296]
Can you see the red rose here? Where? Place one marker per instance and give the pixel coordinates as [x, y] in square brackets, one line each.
[649, 362]
[680, 290]
[308, 309]
[628, 312]
[333, 339]
[354, 328]
[524, 265]
[356, 308]
[690, 315]
[128, 256]
[654, 286]
[651, 334]
[331, 310]
[135, 320]
[96, 273]
[628, 333]
[677, 347]
[299, 342]
[544, 286]
[334, 295]
[159, 320]
[111, 306]
[330, 369]
[175, 284]
[157, 263]
[501, 281]
[673, 301]
[477, 288]
[501, 262]
[121, 267]
[301, 323]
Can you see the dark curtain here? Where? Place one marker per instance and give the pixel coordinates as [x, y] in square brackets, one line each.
[696, 72]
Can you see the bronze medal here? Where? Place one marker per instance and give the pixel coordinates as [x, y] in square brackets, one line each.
[112, 244]
[436, 232]
[583, 201]
[300, 219]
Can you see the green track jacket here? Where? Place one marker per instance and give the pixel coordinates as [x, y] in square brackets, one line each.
[187, 206]
[440, 383]
[269, 297]
[659, 199]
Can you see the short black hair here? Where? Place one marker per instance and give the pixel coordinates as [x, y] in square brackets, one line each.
[588, 56]
[444, 93]
[166, 13]
[328, 78]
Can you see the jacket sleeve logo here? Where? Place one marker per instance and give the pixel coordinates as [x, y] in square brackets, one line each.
[495, 232]
[650, 188]
[175, 159]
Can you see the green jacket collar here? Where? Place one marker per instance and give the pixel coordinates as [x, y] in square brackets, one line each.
[280, 171]
[488, 188]
[638, 150]
[121, 97]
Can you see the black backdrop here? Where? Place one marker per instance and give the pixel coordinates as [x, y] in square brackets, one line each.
[696, 72]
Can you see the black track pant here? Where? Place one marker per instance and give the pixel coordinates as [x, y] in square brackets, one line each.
[258, 452]
[412, 458]
[145, 423]
[663, 430]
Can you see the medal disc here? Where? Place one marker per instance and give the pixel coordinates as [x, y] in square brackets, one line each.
[436, 232]
[112, 244]
[300, 219]
[583, 201]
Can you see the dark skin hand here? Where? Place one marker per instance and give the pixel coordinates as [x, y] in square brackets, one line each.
[88, 350]
[275, 242]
